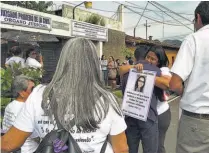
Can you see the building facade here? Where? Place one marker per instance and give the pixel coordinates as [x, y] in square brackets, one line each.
[37, 24]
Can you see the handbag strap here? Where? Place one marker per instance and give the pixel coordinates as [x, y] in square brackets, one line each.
[59, 125]
[75, 144]
[72, 140]
[104, 146]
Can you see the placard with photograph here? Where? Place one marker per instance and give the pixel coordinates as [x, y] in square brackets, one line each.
[138, 94]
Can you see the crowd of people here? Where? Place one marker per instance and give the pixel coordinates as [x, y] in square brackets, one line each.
[15, 55]
[78, 99]
[110, 70]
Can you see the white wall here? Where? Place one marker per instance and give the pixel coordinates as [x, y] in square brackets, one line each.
[53, 31]
[83, 14]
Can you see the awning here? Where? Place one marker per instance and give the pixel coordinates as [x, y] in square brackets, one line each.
[24, 37]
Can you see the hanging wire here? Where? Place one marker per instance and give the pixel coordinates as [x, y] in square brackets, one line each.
[153, 19]
[171, 16]
[150, 10]
[141, 15]
[170, 11]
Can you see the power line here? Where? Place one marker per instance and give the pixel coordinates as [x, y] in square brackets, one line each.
[142, 14]
[151, 9]
[140, 19]
[155, 23]
[172, 17]
[152, 18]
[116, 11]
[169, 10]
[99, 9]
[131, 12]
[162, 12]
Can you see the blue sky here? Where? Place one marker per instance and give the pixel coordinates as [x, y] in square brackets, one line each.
[156, 30]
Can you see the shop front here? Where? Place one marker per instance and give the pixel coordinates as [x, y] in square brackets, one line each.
[24, 27]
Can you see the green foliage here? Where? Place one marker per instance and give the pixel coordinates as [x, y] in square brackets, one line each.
[118, 94]
[41, 6]
[127, 52]
[9, 73]
[102, 22]
[95, 19]
[5, 101]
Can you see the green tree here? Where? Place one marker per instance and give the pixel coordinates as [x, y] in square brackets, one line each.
[95, 19]
[7, 76]
[127, 52]
[41, 6]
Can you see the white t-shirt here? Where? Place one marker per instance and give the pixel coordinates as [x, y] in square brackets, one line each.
[104, 64]
[192, 65]
[15, 59]
[33, 118]
[31, 62]
[163, 106]
[11, 112]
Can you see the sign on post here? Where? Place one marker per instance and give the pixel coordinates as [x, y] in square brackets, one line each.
[138, 94]
[91, 31]
[24, 19]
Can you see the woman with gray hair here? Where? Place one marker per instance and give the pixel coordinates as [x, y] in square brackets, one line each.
[22, 86]
[77, 93]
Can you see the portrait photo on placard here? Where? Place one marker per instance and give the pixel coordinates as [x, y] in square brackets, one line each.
[140, 83]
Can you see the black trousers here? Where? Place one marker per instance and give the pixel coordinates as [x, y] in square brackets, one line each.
[164, 120]
[146, 132]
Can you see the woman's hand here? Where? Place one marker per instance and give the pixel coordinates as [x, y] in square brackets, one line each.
[41, 60]
[125, 68]
[139, 67]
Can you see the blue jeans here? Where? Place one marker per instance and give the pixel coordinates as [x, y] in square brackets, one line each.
[105, 76]
[137, 131]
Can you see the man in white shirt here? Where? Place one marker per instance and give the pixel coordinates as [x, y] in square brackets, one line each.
[16, 57]
[22, 87]
[31, 60]
[191, 80]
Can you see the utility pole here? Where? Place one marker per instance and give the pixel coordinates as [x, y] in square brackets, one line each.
[134, 32]
[163, 24]
[146, 28]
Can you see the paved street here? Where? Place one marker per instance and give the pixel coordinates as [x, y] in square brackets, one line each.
[170, 141]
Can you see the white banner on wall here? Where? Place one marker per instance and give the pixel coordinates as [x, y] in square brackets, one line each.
[91, 31]
[23, 19]
[138, 94]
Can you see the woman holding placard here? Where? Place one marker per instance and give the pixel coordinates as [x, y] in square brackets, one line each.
[157, 56]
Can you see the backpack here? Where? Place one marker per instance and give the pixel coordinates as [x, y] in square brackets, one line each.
[61, 141]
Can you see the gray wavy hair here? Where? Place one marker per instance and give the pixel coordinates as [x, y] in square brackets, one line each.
[20, 83]
[76, 88]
